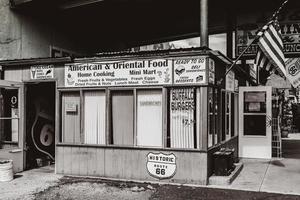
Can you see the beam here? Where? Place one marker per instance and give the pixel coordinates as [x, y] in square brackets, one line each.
[77, 3]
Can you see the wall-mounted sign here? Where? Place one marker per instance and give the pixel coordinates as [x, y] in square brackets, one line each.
[190, 70]
[230, 81]
[211, 71]
[293, 71]
[248, 26]
[161, 166]
[236, 85]
[42, 72]
[71, 107]
[119, 73]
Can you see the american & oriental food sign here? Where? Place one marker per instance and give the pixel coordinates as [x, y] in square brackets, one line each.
[181, 71]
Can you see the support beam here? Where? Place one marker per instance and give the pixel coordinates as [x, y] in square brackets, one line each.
[204, 23]
[77, 3]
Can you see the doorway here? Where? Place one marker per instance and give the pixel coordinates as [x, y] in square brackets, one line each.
[40, 124]
[255, 125]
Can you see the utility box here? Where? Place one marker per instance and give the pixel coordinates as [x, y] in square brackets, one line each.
[223, 162]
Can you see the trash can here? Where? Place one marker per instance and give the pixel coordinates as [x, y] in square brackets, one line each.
[6, 170]
[223, 162]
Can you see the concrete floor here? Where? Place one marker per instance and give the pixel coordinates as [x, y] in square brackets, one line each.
[274, 176]
[27, 183]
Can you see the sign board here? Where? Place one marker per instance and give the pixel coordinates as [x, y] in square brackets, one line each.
[236, 85]
[190, 70]
[119, 73]
[42, 72]
[211, 71]
[248, 26]
[71, 107]
[293, 71]
[230, 81]
[161, 166]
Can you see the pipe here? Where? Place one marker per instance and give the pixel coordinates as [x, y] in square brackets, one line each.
[203, 23]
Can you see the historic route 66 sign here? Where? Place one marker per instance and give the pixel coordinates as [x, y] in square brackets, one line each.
[160, 165]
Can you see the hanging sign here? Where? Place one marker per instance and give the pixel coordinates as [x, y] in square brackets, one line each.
[190, 70]
[119, 73]
[161, 166]
[42, 72]
[249, 24]
[230, 81]
[293, 71]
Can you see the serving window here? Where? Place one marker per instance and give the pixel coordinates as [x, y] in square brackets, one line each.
[145, 117]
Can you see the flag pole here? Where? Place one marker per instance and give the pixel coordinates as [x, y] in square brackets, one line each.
[274, 16]
[236, 60]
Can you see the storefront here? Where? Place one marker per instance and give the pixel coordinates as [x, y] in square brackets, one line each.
[145, 116]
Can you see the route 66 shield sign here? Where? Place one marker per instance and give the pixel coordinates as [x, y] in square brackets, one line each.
[161, 166]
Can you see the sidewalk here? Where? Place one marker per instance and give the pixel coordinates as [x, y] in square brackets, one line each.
[274, 176]
[271, 176]
[27, 183]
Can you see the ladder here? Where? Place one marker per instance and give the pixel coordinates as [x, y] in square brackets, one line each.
[276, 139]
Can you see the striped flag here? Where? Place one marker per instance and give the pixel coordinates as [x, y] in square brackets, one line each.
[270, 53]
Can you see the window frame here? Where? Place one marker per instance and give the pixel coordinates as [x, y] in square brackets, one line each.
[4, 144]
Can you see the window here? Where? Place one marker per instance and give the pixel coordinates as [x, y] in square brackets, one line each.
[255, 113]
[9, 117]
[182, 118]
[122, 117]
[136, 117]
[223, 115]
[212, 139]
[94, 117]
[228, 116]
[149, 118]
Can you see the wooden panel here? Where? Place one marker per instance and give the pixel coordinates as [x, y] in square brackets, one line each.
[100, 168]
[83, 156]
[122, 117]
[59, 160]
[75, 160]
[92, 162]
[71, 120]
[67, 164]
[13, 74]
[130, 164]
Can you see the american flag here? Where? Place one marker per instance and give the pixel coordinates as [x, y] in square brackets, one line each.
[270, 52]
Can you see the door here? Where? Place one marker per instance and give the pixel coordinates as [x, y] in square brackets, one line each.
[255, 117]
[12, 123]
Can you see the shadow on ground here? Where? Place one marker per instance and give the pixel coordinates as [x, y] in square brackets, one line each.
[86, 188]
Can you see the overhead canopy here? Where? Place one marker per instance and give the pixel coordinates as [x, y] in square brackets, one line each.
[120, 24]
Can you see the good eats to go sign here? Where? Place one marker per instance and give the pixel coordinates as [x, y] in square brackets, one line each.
[161, 166]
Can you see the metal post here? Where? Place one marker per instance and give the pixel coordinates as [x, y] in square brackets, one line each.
[203, 23]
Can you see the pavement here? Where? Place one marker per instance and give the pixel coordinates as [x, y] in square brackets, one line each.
[273, 176]
[270, 176]
[27, 183]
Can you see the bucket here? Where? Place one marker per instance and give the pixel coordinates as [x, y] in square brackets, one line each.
[6, 170]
